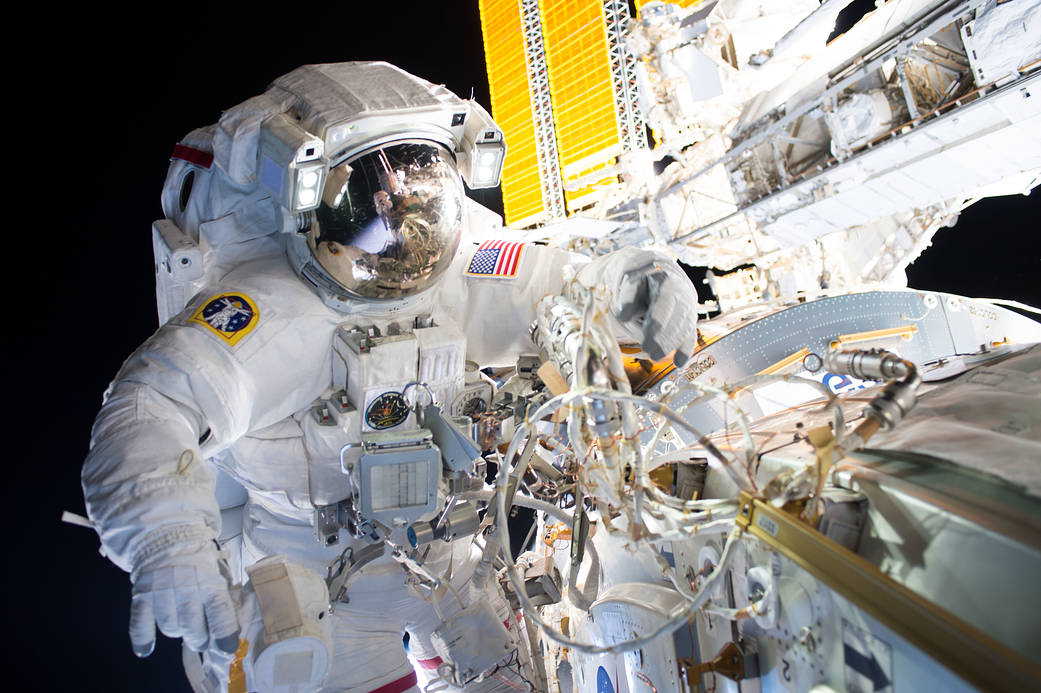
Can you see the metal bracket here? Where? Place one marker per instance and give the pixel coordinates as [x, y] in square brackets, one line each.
[730, 662]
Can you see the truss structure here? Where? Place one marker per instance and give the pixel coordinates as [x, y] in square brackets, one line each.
[542, 110]
[631, 128]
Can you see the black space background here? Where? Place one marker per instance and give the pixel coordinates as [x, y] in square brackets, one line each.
[94, 100]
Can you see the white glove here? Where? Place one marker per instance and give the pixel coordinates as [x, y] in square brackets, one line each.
[651, 298]
[183, 590]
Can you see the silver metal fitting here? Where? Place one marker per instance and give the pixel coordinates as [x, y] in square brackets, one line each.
[867, 365]
[461, 520]
[897, 398]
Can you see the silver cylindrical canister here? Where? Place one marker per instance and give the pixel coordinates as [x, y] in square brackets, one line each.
[462, 521]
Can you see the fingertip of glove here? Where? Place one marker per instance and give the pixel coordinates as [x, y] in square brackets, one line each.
[142, 650]
[654, 351]
[228, 644]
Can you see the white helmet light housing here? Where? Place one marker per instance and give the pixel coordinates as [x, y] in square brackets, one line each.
[291, 163]
[482, 149]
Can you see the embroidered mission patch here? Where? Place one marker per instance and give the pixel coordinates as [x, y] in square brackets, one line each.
[386, 411]
[230, 316]
[495, 259]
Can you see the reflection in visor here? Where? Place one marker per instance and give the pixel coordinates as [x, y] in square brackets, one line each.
[390, 221]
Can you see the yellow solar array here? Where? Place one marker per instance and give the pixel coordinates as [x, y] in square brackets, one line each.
[511, 106]
[577, 61]
[574, 36]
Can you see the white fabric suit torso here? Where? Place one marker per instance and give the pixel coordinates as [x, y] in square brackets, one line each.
[249, 402]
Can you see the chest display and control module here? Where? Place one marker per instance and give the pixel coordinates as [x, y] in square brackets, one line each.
[397, 476]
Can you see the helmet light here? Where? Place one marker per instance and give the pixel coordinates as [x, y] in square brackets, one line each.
[292, 163]
[482, 149]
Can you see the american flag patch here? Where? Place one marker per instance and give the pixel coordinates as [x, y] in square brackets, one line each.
[495, 259]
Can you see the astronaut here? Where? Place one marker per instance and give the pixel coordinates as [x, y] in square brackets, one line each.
[319, 285]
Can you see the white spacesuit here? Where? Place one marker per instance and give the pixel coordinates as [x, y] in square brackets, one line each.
[314, 235]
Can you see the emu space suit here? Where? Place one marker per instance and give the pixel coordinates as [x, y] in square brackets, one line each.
[325, 305]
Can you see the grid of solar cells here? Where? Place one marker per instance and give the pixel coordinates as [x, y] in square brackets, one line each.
[511, 106]
[580, 82]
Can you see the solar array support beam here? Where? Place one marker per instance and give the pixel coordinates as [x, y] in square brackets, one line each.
[631, 128]
[542, 112]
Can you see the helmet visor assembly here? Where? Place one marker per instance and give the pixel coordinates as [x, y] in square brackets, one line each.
[390, 219]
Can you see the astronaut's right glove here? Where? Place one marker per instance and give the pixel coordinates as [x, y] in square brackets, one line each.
[183, 589]
[650, 297]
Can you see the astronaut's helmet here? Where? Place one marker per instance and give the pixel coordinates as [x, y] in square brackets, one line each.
[390, 219]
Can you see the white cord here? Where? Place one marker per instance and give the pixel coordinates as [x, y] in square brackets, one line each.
[1011, 304]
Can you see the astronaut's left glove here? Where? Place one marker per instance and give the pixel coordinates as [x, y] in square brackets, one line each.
[183, 589]
[650, 297]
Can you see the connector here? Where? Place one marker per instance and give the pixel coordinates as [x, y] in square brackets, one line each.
[898, 397]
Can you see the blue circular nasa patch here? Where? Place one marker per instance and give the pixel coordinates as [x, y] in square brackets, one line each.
[603, 681]
[386, 411]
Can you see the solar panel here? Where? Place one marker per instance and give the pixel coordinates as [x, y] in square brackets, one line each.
[511, 107]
